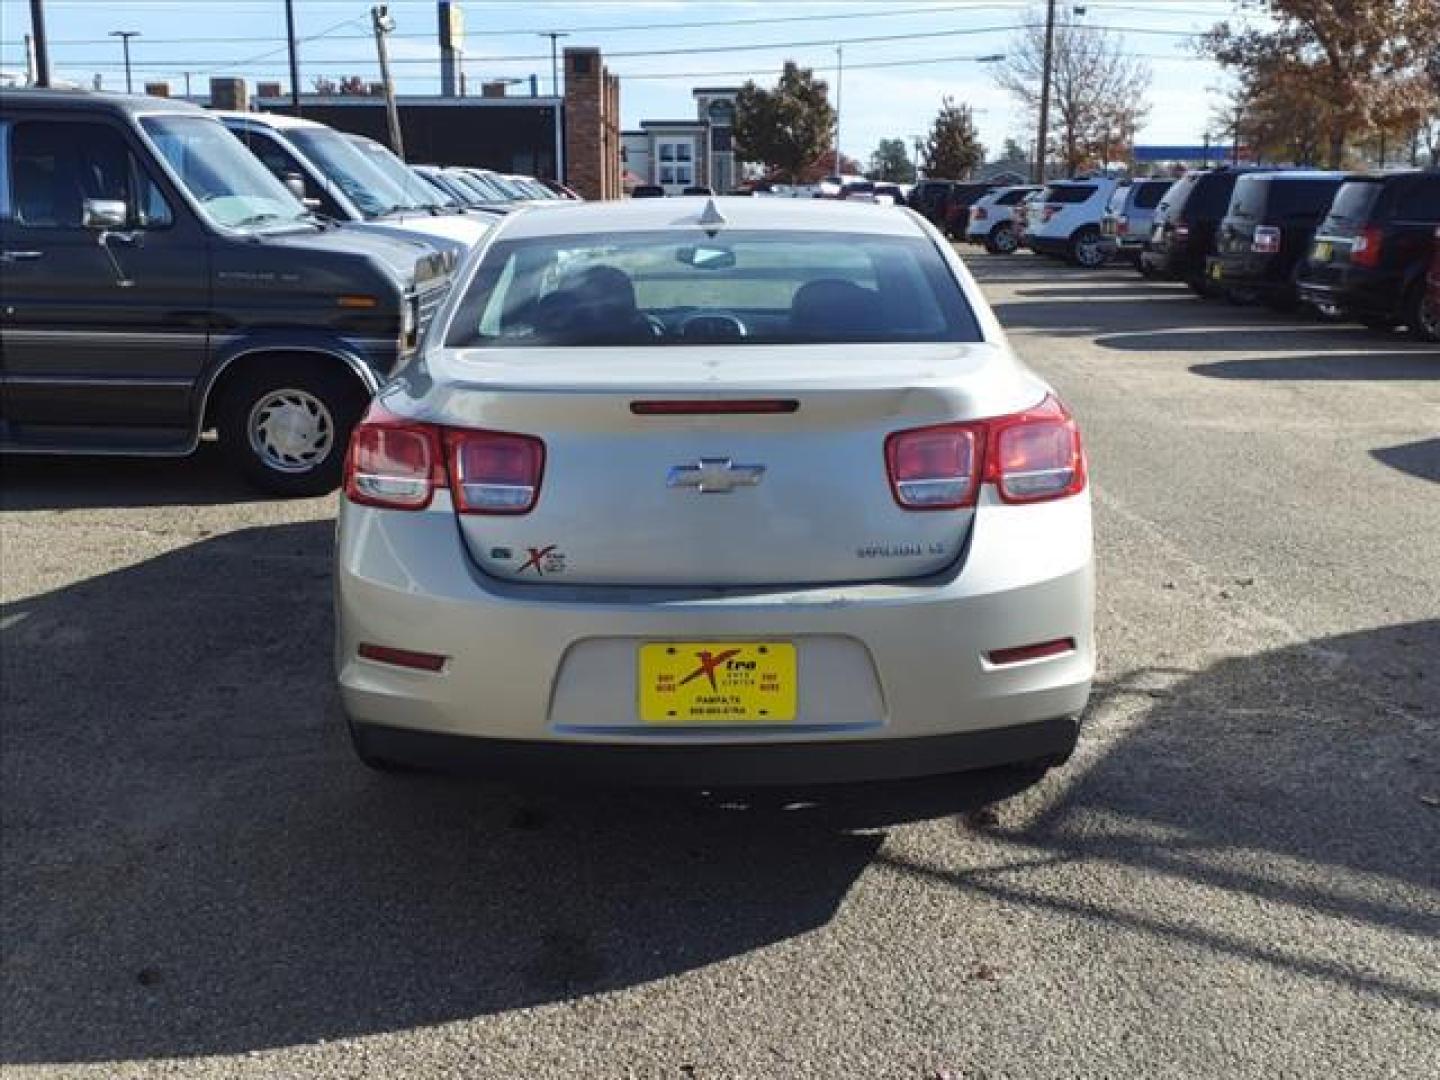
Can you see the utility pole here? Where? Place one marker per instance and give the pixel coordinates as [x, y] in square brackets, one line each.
[294, 58]
[1043, 139]
[42, 51]
[384, 24]
[187, 84]
[839, 84]
[555, 36]
[125, 36]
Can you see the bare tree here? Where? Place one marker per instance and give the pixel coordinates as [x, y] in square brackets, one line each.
[1097, 90]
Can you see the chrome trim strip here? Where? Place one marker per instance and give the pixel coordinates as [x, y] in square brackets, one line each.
[90, 380]
[186, 336]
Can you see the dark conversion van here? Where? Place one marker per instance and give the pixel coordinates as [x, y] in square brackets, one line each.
[946, 203]
[159, 282]
[1186, 222]
[1266, 234]
[1370, 254]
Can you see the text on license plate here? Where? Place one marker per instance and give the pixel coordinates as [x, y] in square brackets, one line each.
[1322, 251]
[717, 682]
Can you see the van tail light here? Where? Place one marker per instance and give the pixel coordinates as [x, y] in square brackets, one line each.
[1365, 251]
[1266, 240]
[1180, 230]
[1030, 456]
[492, 472]
[393, 463]
[398, 464]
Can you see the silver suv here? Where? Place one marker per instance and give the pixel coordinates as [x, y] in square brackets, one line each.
[1130, 214]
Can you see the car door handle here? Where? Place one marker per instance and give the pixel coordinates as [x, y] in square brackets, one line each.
[20, 256]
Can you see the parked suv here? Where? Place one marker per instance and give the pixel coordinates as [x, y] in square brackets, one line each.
[1265, 234]
[1130, 214]
[1185, 225]
[992, 219]
[1371, 251]
[159, 281]
[339, 179]
[946, 203]
[1068, 224]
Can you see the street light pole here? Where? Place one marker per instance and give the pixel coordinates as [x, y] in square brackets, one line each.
[294, 56]
[555, 36]
[42, 51]
[1042, 141]
[383, 23]
[125, 36]
[839, 85]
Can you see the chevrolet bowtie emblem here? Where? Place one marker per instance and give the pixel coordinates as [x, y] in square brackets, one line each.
[714, 476]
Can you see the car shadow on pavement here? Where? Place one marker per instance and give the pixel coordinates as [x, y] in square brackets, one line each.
[1417, 364]
[70, 483]
[1420, 458]
[195, 864]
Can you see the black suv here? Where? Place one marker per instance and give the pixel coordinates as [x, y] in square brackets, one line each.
[1186, 221]
[946, 203]
[159, 281]
[1370, 254]
[1266, 234]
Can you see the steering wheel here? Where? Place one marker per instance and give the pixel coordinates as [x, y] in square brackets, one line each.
[714, 326]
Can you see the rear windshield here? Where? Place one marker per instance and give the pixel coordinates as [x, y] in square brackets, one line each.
[1352, 203]
[1069, 193]
[1260, 197]
[1149, 194]
[1010, 198]
[739, 288]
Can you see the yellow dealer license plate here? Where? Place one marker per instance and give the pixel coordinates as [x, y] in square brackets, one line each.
[1322, 251]
[717, 682]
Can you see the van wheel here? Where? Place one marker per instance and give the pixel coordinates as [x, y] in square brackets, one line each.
[1201, 287]
[1087, 248]
[1424, 315]
[1002, 240]
[286, 423]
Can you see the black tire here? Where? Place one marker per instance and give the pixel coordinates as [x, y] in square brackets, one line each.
[1087, 249]
[326, 400]
[1379, 324]
[1003, 240]
[1422, 315]
[1201, 287]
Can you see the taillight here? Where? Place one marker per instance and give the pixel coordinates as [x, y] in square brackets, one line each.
[978, 213]
[1122, 226]
[1030, 456]
[1365, 251]
[392, 462]
[935, 468]
[1266, 240]
[1180, 230]
[494, 473]
[398, 464]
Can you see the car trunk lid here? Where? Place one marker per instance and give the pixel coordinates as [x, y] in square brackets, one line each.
[645, 485]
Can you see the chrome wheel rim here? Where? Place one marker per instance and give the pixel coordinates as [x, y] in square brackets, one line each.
[1088, 251]
[1006, 241]
[290, 430]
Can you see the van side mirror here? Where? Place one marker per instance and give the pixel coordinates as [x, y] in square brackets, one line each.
[104, 214]
[295, 184]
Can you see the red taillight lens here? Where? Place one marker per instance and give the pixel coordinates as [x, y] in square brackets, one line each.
[979, 213]
[1365, 251]
[1122, 226]
[935, 468]
[1266, 240]
[1030, 457]
[392, 462]
[494, 473]
[1180, 230]
[406, 658]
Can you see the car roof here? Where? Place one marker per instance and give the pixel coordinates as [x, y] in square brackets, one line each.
[90, 101]
[686, 211]
[1299, 174]
[275, 120]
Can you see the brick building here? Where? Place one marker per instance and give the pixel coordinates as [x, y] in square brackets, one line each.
[592, 125]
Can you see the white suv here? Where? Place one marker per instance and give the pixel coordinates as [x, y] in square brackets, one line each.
[1068, 222]
[992, 220]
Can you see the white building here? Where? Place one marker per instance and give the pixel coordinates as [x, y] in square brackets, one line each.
[677, 154]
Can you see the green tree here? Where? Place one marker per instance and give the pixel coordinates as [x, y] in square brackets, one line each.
[953, 150]
[785, 129]
[1354, 67]
[891, 162]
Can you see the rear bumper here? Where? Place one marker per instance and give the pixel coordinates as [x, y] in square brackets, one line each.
[881, 662]
[733, 765]
[1258, 274]
[1367, 295]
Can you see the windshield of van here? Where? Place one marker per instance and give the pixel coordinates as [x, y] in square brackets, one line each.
[231, 185]
[741, 288]
[342, 163]
[396, 171]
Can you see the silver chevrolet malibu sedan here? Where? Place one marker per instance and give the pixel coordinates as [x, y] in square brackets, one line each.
[730, 491]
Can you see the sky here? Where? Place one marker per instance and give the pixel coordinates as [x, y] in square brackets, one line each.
[890, 88]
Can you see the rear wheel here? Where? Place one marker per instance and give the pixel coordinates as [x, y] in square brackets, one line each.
[1424, 315]
[285, 423]
[1087, 248]
[1201, 287]
[1003, 240]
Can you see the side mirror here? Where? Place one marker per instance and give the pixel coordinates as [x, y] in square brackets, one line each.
[295, 184]
[104, 214]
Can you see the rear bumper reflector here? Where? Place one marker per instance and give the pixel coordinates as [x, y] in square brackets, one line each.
[406, 658]
[733, 407]
[1038, 651]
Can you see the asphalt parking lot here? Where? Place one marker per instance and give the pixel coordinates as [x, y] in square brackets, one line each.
[1238, 875]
